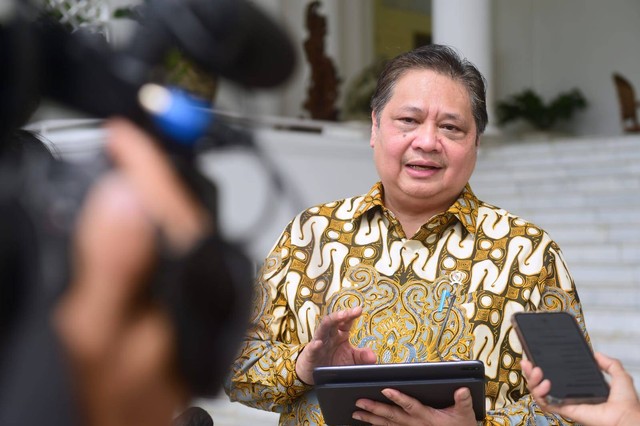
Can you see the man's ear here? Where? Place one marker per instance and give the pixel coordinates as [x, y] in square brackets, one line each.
[374, 129]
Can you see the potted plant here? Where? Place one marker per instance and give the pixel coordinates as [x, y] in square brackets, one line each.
[359, 92]
[530, 107]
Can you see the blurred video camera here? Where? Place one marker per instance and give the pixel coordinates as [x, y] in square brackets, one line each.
[207, 293]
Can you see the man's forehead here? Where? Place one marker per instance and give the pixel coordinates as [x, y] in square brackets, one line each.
[410, 88]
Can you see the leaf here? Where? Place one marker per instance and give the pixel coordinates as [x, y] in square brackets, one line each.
[530, 107]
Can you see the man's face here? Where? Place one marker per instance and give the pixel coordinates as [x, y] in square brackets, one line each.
[425, 143]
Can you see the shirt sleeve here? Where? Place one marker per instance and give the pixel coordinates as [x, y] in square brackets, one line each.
[263, 376]
[555, 291]
[525, 411]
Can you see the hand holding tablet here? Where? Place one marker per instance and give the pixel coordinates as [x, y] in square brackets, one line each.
[433, 384]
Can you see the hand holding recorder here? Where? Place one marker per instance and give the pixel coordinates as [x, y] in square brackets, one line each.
[565, 377]
[622, 408]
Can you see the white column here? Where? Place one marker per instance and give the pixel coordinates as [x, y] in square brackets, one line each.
[349, 43]
[466, 26]
[355, 25]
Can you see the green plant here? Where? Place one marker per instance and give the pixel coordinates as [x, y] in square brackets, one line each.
[530, 107]
[360, 90]
[176, 67]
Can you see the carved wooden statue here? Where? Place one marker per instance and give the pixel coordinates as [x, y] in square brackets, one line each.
[322, 93]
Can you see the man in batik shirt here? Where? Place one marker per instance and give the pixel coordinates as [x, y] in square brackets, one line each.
[360, 280]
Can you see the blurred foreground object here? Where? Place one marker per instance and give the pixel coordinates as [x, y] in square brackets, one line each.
[200, 287]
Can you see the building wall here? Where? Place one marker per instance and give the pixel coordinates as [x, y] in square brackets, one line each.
[396, 26]
[552, 46]
[548, 45]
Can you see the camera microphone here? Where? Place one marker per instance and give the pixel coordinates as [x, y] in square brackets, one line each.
[230, 38]
[206, 292]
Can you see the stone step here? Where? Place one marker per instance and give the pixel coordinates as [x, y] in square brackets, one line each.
[564, 235]
[558, 163]
[609, 202]
[504, 176]
[622, 182]
[619, 324]
[601, 217]
[622, 253]
[608, 297]
[566, 150]
[576, 219]
[606, 273]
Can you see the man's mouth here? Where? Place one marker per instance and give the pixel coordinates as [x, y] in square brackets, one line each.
[422, 167]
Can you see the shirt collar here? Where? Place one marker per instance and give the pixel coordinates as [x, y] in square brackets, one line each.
[373, 199]
[465, 208]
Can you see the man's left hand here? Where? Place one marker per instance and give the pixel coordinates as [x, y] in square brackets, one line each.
[409, 411]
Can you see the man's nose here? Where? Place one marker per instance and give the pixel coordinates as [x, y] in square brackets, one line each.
[426, 138]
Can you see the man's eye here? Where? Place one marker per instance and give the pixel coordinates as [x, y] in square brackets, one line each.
[407, 120]
[450, 127]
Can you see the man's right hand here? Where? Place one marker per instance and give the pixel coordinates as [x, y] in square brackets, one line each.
[330, 345]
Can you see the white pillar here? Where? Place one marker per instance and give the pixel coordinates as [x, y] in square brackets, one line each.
[466, 26]
[355, 35]
[348, 42]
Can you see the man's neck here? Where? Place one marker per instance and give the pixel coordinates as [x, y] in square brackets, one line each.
[412, 223]
[412, 216]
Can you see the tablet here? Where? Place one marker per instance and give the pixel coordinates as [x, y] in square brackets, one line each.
[433, 383]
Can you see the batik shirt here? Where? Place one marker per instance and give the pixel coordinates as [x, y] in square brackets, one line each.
[354, 252]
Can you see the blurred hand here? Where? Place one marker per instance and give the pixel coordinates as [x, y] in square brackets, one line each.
[622, 407]
[330, 345]
[409, 411]
[120, 344]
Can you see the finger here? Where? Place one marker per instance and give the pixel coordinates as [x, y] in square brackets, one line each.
[463, 400]
[526, 368]
[344, 319]
[337, 325]
[540, 392]
[313, 351]
[364, 356]
[407, 403]
[169, 202]
[621, 385]
[534, 377]
[113, 252]
[140, 378]
[609, 365]
[112, 215]
[147, 351]
[307, 360]
[379, 413]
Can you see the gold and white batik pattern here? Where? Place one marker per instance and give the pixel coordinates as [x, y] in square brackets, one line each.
[478, 261]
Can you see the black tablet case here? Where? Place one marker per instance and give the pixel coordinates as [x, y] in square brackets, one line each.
[339, 387]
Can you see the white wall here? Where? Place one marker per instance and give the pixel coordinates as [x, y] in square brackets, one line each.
[553, 46]
[330, 163]
[315, 169]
